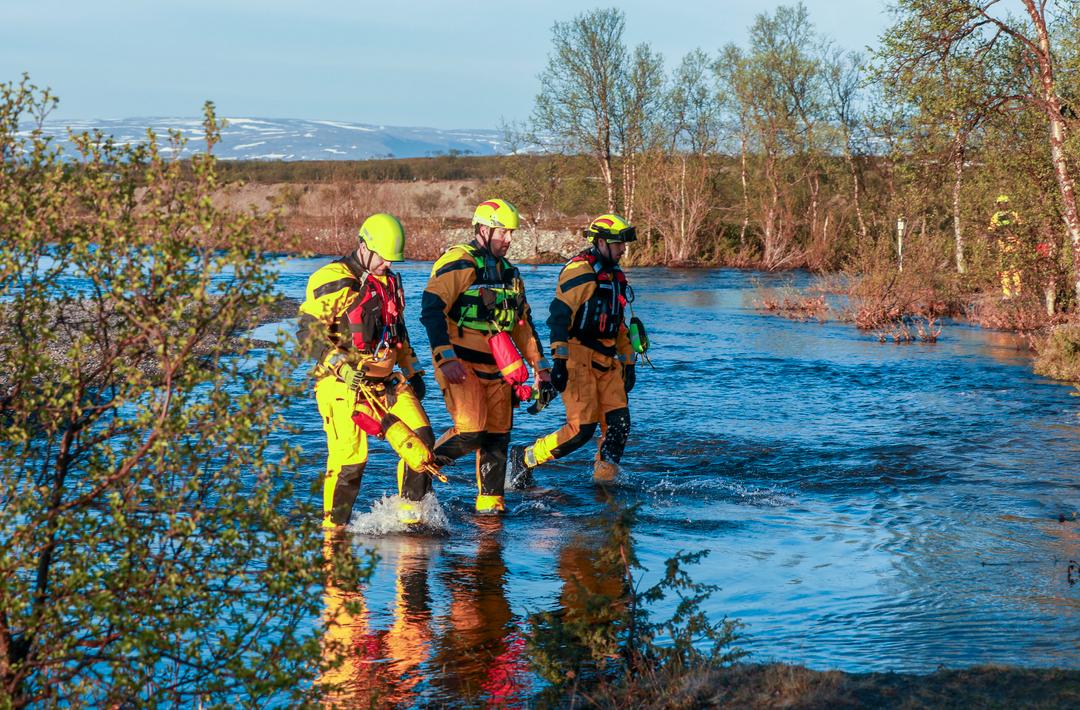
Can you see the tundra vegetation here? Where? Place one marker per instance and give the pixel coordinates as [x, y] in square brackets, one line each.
[788, 151]
[785, 151]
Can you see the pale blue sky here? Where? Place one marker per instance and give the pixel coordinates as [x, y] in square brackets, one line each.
[460, 64]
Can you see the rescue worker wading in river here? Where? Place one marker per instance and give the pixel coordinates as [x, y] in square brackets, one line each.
[353, 322]
[473, 294]
[593, 355]
[1011, 247]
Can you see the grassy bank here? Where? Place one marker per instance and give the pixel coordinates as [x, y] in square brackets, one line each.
[784, 686]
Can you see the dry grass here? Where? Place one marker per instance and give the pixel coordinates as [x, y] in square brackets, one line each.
[1059, 353]
[1026, 314]
[792, 304]
[322, 217]
[771, 686]
[908, 329]
[902, 305]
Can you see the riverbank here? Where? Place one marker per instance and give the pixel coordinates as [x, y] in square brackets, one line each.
[899, 303]
[768, 686]
[79, 319]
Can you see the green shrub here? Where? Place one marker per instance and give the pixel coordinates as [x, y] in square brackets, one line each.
[149, 545]
[603, 638]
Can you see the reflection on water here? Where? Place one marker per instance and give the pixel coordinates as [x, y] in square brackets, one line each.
[869, 507]
[481, 654]
[363, 677]
[451, 638]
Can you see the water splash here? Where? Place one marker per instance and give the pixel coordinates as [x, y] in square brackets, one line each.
[535, 505]
[733, 490]
[383, 518]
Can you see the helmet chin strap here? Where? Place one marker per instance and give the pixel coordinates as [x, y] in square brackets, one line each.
[485, 242]
[605, 258]
[364, 257]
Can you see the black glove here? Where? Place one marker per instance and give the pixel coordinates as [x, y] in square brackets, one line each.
[629, 378]
[544, 396]
[418, 386]
[559, 375]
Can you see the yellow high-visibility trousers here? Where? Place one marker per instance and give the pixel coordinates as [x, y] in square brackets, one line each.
[347, 445]
[1010, 283]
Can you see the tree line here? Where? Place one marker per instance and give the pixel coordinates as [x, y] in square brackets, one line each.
[790, 151]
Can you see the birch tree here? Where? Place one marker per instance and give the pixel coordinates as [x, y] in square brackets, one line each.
[933, 30]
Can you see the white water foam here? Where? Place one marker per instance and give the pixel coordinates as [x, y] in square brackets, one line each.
[534, 505]
[383, 518]
[766, 497]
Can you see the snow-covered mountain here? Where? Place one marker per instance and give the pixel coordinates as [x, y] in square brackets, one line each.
[296, 139]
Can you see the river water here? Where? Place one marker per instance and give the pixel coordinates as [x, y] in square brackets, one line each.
[868, 507]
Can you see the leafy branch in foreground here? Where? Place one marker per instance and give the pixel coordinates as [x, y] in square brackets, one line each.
[148, 546]
[603, 639]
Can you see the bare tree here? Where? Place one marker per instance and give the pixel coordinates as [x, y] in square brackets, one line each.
[775, 93]
[636, 128]
[681, 171]
[844, 79]
[578, 100]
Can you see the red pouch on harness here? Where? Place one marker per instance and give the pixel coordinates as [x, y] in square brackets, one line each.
[367, 423]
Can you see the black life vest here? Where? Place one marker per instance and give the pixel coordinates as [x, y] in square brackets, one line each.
[600, 317]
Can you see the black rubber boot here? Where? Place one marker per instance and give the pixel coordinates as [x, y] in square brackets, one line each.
[348, 487]
[618, 429]
[519, 475]
[492, 463]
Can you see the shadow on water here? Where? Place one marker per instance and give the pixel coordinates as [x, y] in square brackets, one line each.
[869, 507]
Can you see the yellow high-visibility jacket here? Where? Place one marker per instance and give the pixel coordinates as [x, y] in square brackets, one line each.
[342, 320]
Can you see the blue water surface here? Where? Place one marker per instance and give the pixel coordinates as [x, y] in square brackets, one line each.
[868, 506]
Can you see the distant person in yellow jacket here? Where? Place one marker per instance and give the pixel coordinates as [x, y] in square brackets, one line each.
[1005, 224]
[353, 322]
[593, 356]
[474, 293]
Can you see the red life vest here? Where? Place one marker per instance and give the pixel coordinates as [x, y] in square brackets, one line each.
[376, 319]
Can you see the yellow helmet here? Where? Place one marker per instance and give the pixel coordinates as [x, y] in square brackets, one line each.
[1002, 199]
[383, 234]
[496, 213]
[612, 228]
